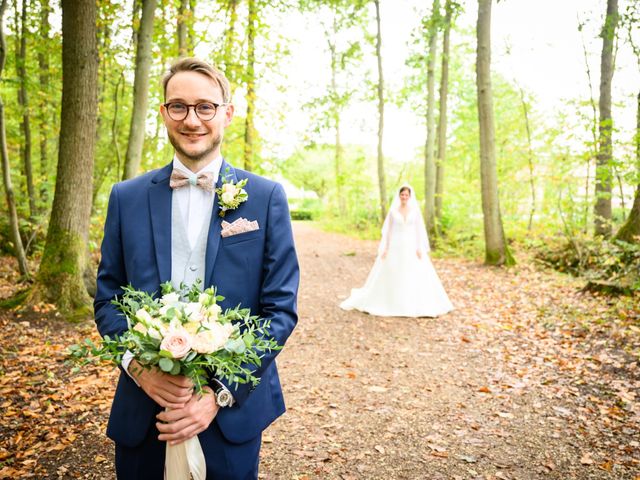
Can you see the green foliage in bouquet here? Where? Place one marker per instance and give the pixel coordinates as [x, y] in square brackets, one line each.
[186, 333]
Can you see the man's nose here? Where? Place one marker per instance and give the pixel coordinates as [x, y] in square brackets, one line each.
[192, 119]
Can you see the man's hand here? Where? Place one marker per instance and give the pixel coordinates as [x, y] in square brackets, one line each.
[168, 391]
[183, 423]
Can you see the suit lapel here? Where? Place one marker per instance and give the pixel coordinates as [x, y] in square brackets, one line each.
[160, 210]
[215, 227]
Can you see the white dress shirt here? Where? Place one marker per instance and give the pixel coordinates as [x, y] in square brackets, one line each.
[192, 203]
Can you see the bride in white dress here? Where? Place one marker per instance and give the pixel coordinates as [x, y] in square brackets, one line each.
[402, 282]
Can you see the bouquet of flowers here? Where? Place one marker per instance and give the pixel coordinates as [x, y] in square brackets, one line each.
[185, 332]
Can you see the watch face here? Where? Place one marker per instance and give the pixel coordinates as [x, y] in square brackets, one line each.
[224, 398]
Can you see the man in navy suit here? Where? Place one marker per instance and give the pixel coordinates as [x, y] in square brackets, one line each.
[158, 230]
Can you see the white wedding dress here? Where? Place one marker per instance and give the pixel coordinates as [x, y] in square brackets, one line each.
[401, 284]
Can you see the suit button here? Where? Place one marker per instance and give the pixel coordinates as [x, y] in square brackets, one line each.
[193, 268]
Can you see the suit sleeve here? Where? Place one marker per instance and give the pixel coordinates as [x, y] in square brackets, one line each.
[111, 273]
[281, 275]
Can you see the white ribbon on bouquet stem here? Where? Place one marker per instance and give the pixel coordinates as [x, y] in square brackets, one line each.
[185, 461]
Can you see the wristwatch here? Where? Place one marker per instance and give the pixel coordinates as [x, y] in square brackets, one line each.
[223, 396]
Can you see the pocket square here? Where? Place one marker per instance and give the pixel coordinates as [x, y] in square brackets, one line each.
[241, 225]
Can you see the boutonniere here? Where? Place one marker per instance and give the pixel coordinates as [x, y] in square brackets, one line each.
[231, 195]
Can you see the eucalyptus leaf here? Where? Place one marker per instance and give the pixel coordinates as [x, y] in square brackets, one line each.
[166, 364]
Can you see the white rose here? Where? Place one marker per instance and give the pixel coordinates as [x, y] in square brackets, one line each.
[212, 339]
[229, 187]
[177, 342]
[193, 310]
[144, 316]
[227, 197]
[154, 333]
[170, 298]
[203, 297]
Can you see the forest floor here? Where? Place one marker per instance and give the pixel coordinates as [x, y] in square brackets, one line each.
[528, 378]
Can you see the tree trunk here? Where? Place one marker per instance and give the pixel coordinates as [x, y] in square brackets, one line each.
[23, 101]
[230, 65]
[381, 180]
[532, 185]
[183, 11]
[496, 250]
[602, 210]
[63, 262]
[442, 119]
[140, 91]
[429, 160]
[250, 79]
[43, 78]
[337, 154]
[6, 170]
[630, 231]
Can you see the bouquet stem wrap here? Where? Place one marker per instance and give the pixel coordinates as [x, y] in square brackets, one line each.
[185, 461]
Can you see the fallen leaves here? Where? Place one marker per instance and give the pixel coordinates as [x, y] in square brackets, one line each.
[42, 402]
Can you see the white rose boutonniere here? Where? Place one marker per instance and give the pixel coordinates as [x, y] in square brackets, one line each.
[231, 195]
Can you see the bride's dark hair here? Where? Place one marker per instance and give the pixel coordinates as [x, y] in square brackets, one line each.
[403, 188]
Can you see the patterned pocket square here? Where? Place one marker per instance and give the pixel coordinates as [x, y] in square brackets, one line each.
[241, 225]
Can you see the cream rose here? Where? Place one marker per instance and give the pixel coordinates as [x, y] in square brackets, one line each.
[139, 327]
[227, 197]
[212, 339]
[177, 342]
[229, 187]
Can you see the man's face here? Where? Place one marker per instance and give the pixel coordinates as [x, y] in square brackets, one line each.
[196, 141]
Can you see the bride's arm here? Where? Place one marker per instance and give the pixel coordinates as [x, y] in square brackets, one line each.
[388, 239]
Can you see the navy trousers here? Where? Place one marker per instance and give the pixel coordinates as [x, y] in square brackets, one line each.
[225, 460]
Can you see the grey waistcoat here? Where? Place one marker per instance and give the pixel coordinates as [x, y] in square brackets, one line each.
[187, 263]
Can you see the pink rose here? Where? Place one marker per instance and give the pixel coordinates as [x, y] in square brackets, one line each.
[177, 342]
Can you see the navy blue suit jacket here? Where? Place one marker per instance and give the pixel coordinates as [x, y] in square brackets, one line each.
[257, 269]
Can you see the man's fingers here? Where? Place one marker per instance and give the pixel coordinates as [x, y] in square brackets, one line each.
[180, 381]
[178, 436]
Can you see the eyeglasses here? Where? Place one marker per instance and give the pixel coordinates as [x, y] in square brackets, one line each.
[205, 111]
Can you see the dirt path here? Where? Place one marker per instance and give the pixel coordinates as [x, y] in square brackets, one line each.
[511, 385]
[478, 393]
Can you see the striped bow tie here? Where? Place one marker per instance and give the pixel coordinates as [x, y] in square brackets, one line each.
[180, 178]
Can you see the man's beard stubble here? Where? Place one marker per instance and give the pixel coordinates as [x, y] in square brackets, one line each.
[215, 143]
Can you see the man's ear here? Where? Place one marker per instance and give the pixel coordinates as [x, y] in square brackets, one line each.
[163, 113]
[228, 114]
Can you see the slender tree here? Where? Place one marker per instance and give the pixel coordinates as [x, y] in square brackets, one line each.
[140, 90]
[429, 158]
[496, 250]
[381, 176]
[59, 279]
[23, 101]
[45, 100]
[602, 210]
[184, 29]
[6, 170]
[441, 134]
[230, 42]
[250, 84]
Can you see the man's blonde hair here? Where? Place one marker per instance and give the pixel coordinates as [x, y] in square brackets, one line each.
[192, 64]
